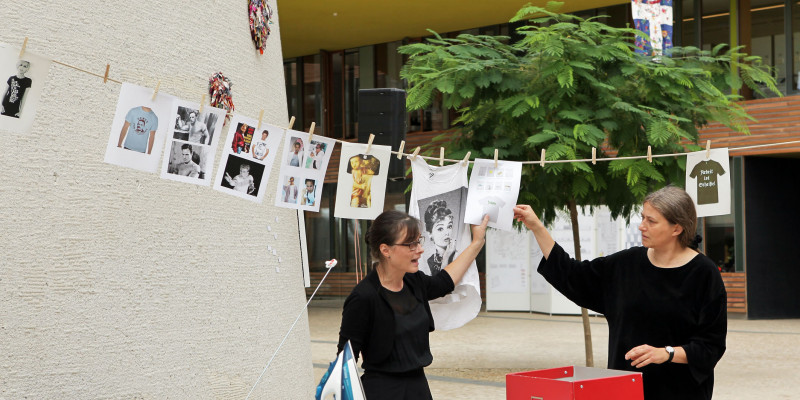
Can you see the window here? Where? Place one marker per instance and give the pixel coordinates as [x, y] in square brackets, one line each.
[718, 238]
[293, 95]
[768, 39]
[312, 94]
[689, 24]
[387, 65]
[715, 26]
[795, 67]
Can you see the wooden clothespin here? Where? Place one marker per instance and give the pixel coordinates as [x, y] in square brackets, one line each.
[649, 154]
[400, 150]
[24, 45]
[466, 158]
[155, 92]
[495, 158]
[369, 142]
[416, 151]
[708, 149]
[594, 156]
[441, 156]
[260, 117]
[310, 130]
[105, 76]
[291, 123]
[202, 104]
[541, 162]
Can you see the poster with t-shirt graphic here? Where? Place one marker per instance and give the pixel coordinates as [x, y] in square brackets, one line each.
[303, 167]
[438, 200]
[21, 83]
[192, 143]
[241, 173]
[493, 191]
[362, 181]
[139, 128]
[708, 182]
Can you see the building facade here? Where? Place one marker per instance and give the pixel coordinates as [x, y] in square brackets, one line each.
[323, 87]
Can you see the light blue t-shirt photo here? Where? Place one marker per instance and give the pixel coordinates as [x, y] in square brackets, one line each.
[141, 124]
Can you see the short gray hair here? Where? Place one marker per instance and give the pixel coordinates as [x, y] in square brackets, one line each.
[678, 208]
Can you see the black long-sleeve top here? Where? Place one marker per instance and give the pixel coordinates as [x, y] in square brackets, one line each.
[644, 304]
[368, 318]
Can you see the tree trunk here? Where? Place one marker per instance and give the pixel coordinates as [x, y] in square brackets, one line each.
[587, 329]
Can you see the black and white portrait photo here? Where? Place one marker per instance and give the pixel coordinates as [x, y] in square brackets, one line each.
[21, 83]
[242, 176]
[191, 143]
[193, 126]
[187, 160]
[442, 220]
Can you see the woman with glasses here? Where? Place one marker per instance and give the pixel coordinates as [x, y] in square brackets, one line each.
[387, 319]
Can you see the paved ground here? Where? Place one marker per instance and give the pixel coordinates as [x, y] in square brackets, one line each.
[762, 361]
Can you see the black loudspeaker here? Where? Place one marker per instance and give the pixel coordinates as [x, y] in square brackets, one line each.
[382, 112]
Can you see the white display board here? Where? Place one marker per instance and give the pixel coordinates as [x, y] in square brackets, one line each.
[506, 268]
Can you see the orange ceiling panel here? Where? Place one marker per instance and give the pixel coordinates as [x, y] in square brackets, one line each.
[308, 26]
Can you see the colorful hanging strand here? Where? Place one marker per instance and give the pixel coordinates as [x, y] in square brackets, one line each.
[260, 19]
[219, 90]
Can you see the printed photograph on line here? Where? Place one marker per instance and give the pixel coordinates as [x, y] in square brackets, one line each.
[22, 80]
[191, 143]
[361, 187]
[306, 162]
[242, 176]
[236, 153]
[139, 128]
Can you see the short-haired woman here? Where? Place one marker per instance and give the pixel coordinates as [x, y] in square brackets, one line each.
[665, 303]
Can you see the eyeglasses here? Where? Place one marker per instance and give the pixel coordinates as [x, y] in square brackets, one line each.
[413, 245]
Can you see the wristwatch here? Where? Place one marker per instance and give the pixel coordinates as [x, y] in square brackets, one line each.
[671, 353]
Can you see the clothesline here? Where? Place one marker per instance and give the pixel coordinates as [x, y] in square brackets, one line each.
[410, 155]
[442, 160]
[105, 77]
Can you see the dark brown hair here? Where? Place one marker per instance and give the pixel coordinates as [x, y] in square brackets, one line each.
[436, 211]
[387, 228]
[678, 208]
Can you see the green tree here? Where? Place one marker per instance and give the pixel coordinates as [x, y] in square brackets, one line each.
[569, 85]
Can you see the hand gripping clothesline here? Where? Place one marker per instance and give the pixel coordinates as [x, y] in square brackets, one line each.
[329, 265]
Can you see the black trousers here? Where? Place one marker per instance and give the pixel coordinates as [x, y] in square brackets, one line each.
[396, 386]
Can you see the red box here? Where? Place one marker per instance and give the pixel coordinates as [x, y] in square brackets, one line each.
[574, 383]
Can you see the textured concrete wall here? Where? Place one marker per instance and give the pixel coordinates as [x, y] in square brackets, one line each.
[114, 283]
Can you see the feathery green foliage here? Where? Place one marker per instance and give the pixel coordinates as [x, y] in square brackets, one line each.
[570, 84]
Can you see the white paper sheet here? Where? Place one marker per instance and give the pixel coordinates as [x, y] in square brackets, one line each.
[493, 191]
